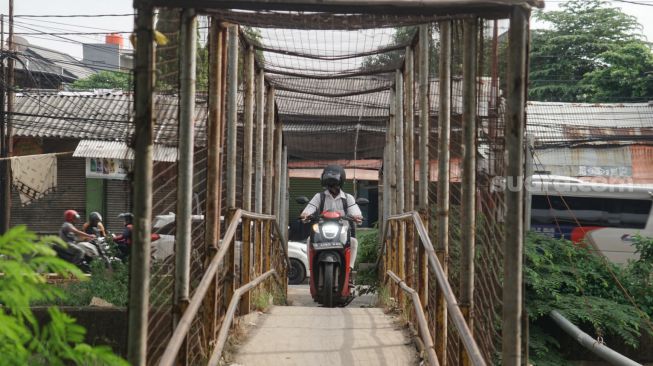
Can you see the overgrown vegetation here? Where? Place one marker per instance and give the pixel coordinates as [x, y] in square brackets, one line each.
[368, 252]
[23, 341]
[111, 285]
[583, 287]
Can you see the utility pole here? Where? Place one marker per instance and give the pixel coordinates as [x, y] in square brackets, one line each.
[6, 124]
[3, 152]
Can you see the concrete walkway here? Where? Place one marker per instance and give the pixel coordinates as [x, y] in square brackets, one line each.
[310, 335]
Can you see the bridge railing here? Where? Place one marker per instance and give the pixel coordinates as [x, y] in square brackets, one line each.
[260, 257]
[409, 261]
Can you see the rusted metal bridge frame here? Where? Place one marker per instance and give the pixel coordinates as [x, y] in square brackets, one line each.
[399, 161]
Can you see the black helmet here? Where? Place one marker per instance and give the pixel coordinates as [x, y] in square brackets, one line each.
[95, 217]
[128, 217]
[333, 175]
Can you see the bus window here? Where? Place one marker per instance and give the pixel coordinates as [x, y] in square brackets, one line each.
[558, 215]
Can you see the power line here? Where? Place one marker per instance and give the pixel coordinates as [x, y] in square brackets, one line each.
[74, 16]
[71, 33]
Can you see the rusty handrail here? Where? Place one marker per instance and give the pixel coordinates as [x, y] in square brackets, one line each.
[275, 225]
[457, 317]
[421, 319]
[231, 312]
[184, 324]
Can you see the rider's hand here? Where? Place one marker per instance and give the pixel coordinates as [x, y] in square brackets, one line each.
[304, 216]
[358, 219]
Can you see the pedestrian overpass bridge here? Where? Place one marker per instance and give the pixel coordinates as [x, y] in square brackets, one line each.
[413, 85]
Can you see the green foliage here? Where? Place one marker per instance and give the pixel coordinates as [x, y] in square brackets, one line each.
[23, 256]
[111, 285]
[591, 53]
[579, 284]
[401, 35]
[105, 80]
[368, 246]
[639, 274]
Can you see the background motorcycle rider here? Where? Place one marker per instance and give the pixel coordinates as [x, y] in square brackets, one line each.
[69, 233]
[335, 199]
[94, 225]
[124, 240]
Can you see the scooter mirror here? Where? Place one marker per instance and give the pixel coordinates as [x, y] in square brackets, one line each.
[302, 200]
[362, 201]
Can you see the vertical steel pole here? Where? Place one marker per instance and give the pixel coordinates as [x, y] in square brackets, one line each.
[139, 279]
[283, 222]
[248, 129]
[268, 197]
[444, 123]
[514, 195]
[8, 79]
[468, 204]
[188, 49]
[424, 161]
[409, 130]
[214, 175]
[278, 152]
[423, 78]
[392, 154]
[399, 124]
[214, 136]
[260, 121]
[5, 183]
[232, 113]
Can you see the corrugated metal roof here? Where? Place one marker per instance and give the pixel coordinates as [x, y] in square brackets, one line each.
[578, 124]
[120, 150]
[99, 117]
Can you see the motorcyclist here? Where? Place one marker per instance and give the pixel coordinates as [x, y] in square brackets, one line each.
[70, 234]
[94, 225]
[124, 240]
[335, 199]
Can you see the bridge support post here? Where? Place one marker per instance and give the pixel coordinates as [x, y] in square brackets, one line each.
[183, 243]
[139, 281]
[232, 113]
[424, 161]
[284, 201]
[214, 174]
[260, 121]
[514, 195]
[409, 163]
[399, 147]
[468, 209]
[444, 123]
[248, 135]
[409, 129]
[232, 135]
[268, 197]
[391, 147]
[278, 152]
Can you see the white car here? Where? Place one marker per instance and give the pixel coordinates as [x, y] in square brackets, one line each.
[298, 270]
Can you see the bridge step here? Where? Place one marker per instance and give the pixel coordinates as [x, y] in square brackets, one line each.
[316, 336]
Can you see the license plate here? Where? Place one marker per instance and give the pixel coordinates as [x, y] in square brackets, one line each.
[327, 245]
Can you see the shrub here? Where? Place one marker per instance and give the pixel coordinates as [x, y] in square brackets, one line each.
[580, 285]
[23, 256]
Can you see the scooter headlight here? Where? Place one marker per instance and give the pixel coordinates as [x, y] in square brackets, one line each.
[330, 230]
[316, 228]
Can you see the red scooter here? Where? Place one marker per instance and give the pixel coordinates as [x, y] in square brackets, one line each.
[329, 258]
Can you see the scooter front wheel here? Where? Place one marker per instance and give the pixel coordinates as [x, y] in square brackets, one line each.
[327, 289]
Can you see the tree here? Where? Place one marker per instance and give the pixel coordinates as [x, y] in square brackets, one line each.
[105, 80]
[582, 55]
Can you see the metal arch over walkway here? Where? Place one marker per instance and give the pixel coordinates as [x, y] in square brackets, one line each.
[279, 103]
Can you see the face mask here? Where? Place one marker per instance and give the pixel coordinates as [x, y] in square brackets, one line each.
[334, 190]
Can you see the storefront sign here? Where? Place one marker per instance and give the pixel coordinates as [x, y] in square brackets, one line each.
[105, 168]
